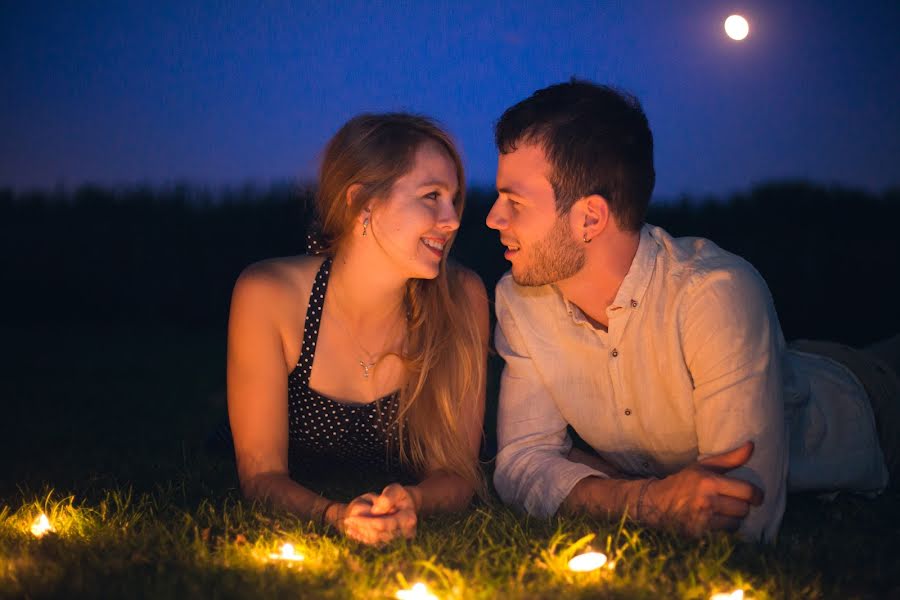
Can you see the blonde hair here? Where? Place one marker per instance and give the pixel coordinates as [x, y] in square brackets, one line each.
[444, 354]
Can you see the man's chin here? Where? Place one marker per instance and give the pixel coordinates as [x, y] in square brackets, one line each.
[524, 278]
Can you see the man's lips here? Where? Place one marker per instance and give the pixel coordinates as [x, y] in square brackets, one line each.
[512, 249]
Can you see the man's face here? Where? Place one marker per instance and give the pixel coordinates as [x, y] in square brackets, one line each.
[539, 243]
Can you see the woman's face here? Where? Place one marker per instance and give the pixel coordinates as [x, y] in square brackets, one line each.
[414, 223]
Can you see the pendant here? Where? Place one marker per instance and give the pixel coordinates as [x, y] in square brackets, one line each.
[366, 367]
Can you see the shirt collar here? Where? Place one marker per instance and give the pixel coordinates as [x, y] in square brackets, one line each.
[631, 292]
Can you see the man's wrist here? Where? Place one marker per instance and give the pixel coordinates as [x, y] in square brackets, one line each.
[640, 511]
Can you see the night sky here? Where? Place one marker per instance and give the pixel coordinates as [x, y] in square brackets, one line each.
[227, 93]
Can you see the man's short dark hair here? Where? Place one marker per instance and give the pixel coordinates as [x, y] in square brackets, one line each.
[597, 141]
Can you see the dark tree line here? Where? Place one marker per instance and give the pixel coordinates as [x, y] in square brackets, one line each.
[170, 255]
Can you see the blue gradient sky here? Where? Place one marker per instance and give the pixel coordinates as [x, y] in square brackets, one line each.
[126, 92]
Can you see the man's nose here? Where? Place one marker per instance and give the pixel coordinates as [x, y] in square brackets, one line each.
[497, 218]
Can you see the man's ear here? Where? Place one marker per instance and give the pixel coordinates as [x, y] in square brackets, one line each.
[590, 216]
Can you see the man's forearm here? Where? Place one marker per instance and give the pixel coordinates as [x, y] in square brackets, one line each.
[600, 497]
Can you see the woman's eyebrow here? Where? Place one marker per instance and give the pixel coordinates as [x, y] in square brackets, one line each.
[434, 183]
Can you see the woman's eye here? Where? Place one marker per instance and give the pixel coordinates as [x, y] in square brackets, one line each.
[433, 195]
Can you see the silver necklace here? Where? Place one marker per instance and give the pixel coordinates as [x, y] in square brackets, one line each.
[366, 366]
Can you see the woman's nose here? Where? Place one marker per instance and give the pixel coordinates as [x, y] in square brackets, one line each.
[448, 220]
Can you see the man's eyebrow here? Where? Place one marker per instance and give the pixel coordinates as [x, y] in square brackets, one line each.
[508, 190]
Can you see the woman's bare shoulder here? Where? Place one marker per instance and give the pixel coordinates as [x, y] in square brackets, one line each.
[277, 280]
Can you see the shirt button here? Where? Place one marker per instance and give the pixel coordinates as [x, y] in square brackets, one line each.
[627, 412]
[614, 353]
[634, 304]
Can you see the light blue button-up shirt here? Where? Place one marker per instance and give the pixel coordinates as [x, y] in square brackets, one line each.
[693, 364]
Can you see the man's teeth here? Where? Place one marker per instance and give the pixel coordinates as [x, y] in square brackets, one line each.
[434, 244]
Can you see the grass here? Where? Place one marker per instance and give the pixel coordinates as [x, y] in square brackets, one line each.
[104, 431]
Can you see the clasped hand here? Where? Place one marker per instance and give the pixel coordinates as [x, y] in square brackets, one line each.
[701, 498]
[378, 518]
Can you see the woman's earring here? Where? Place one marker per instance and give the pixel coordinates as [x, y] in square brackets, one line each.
[586, 241]
[365, 226]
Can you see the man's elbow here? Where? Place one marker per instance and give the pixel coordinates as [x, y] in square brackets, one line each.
[508, 481]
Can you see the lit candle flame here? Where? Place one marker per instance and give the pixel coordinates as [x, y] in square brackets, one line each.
[41, 526]
[287, 553]
[418, 592]
[588, 561]
[735, 595]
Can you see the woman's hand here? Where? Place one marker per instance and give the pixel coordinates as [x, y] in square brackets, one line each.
[376, 519]
[396, 498]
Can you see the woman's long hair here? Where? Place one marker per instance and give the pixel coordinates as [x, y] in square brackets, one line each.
[444, 354]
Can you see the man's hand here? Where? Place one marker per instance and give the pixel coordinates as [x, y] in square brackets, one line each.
[700, 498]
[377, 519]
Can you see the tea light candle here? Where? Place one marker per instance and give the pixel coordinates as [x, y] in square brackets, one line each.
[418, 592]
[589, 561]
[41, 526]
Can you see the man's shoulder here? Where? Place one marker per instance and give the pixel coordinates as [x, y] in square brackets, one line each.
[692, 260]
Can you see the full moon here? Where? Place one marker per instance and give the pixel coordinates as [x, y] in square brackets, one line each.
[737, 27]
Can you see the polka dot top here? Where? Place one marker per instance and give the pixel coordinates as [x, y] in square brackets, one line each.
[328, 435]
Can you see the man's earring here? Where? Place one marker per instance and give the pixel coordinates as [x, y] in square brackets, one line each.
[365, 226]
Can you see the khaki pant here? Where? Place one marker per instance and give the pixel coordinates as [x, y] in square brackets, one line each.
[878, 369]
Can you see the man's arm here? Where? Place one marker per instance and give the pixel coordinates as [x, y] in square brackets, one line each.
[532, 471]
[733, 348]
[732, 345]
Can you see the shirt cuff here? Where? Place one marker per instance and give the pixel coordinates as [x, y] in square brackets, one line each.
[549, 491]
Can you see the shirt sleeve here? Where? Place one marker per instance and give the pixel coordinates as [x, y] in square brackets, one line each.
[532, 471]
[734, 348]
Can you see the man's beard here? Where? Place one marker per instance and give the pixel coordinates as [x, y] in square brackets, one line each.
[554, 258]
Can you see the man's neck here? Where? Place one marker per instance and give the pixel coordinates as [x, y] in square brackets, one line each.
[593, 289]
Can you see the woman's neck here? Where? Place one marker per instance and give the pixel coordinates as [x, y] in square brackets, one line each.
[366, 291]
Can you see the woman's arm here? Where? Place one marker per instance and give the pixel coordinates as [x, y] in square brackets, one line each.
[257, 409]
[441, 491]
[257, 393]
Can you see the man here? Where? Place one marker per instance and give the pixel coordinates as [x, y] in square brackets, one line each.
[665, 355]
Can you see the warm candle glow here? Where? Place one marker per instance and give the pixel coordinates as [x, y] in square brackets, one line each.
[287, 553]
[735, 595]
[588, 561]
[418, 592]
[41, 526]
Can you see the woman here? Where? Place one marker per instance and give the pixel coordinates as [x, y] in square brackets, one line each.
[373, 356]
